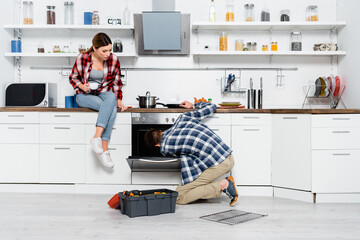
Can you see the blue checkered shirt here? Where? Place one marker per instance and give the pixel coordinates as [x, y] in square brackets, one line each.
[197, 145]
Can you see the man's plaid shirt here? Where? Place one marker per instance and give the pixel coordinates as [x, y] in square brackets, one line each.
[197, 145]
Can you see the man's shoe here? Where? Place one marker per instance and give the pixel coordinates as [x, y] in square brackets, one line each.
[105, 159]
[231, 191]
[96, 145]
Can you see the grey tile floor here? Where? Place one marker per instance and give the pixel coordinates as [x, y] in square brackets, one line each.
[79, 216]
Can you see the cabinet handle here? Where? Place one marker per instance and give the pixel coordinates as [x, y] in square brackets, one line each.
[215, 130]
[112, 149]
[213, 117]
[341, 131]
[290, 118]
[61, 115]
[251, 130]
[160, 161]
[16, 116]
[114, 129]
[341, 119]
[67, 128]
[251, 117]
[19, 128]
[341, 154]
[62, 148]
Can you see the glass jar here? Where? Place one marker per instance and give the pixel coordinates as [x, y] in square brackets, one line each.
[223, 41]
[249, 12]
[296, 41]
[230, 17]
[265, 48]
[126, 14]
[41, 48]
[239, 45]
[117, 46]
[274, 46]
[248, 46]
[66, 49]
[28, 12]
[312, 13]
[253, 46]
[95, 18]
[68, 12]
[265, 15]
[285, 15]
[212, 11]
[50, 14]
[56, 49]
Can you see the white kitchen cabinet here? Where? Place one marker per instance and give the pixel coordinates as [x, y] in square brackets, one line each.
[220, 124]
[291, 157]
[251, 145]
[96, 173]
[19, 133]
[62, 133]
[19, 117]
[121, 134]
[62, 117]
[121, 118]
[62, 163]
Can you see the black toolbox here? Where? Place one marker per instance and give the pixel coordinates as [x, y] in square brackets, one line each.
[147, 202]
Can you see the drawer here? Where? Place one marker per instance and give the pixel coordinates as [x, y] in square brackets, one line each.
[62, 133]
[335, 138]
[19, 117]
[121, 118]
[224, 132]
[335, 171]
[19, 133]
[62, 164]
[219, 119]
[251, 119]
[62, 117]
[335, 120]
[121, 134]
[166, 178]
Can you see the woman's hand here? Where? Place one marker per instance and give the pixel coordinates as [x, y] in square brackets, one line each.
[121, 106]
[85, 87]
[186, 104]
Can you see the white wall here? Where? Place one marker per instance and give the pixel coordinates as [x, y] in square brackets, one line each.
[175, 86]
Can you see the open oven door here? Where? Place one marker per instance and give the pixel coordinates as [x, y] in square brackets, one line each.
[154, 164]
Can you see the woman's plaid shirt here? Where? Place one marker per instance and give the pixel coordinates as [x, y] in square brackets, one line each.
[112, 74]
[197, 145]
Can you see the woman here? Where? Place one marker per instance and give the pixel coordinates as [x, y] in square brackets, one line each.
[96, 79]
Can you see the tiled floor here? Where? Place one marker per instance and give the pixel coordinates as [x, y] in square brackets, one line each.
[79, 216]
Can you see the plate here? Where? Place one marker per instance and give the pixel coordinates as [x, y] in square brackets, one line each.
[229, 104]
[331, 84]
[327, 87]
[318, 87]
[323, 87]
[231, 107]
[337, 86]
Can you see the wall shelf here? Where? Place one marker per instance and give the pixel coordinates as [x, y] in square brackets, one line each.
[268, 53]
[60, 55]
[70, 27]
[266, 26]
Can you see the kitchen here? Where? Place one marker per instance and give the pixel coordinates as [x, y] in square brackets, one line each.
[287, 79]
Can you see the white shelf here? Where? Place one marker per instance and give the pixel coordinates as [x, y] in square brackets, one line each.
[8, 54]
[268, 25]
[269, 53]
[74, 27]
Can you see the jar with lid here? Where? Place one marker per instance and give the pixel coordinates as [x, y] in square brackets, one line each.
[249, 12]
[239, 45]
[265, 48]
[285, 15]
[95, 18]
[28, 12]
[68, 12]
[312, 13]
[66, 49]
[274, 46]
[41, 48]
[126, 14]
[50, 14]
[296, 41]
[265, 14]
[212, 11]
[56, 49]
[230, 17]
[253, 46]
[223, 41]
[117, 46]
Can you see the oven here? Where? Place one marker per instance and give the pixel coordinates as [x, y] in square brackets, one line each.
[143, 158]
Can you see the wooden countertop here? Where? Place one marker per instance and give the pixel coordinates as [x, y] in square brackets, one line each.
[177, 110]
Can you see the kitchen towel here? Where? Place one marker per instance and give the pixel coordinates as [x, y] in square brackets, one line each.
[232, 217]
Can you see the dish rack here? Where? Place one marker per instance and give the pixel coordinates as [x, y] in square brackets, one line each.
[329, 100]
[232, 86]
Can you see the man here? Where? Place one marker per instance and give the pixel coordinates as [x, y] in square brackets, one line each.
[204, 156]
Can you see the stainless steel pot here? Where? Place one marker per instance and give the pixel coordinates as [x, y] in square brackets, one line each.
[147, 101]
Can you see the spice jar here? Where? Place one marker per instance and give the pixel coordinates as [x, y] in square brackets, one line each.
[117, 47]
[41, 48]
[56, 49]
[230, 13]
[66, 49]
[265, 48]
[223, 42]
[239, 45]
[253, 46]
[265, 15]
[249, 12]
[285, 15]
[68, 12]
[274, 46]
[312, 13]
[28, 12]
[50, 15]
[95, 18]
[296, 44]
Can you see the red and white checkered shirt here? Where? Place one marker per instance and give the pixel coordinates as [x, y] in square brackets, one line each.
[112, 74]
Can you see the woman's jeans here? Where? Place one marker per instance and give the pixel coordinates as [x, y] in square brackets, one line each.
[105, 103]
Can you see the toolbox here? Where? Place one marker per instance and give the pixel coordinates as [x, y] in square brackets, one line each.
[144, 203]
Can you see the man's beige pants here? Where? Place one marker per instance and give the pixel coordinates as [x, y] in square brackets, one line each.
[203, 187]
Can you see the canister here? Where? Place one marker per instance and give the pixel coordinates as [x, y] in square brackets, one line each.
[230, 13]
[28, 12]
[249, 12]
[312, 13]
[296, 41]
[239, 45]
[223, 41]
[50, 15]
[68, 12]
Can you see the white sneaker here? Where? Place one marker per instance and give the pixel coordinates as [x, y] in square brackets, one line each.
[96, 145]
[105, 159]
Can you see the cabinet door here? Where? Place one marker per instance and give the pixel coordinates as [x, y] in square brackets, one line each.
[121, 134]
[19, 163]
[291, 162]
[252, 154]
[97, 173]
[62, 133]
[62, 163]
[224, 132]
[335, 171]
[19, 133]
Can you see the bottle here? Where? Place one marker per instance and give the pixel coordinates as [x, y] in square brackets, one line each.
[95, 18]
[126, 15]
[212, 11]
